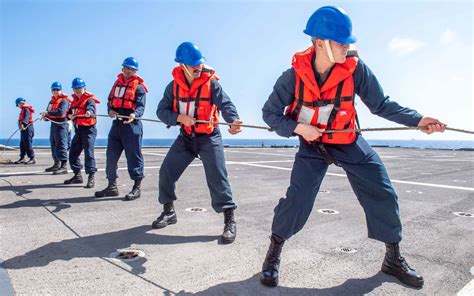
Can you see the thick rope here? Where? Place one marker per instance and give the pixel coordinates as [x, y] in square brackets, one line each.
[53, 121]
[122, 117]
[325, 132]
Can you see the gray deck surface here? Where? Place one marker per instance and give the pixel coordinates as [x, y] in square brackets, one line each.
[64, 249]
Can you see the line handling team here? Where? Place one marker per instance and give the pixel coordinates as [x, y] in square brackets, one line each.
[315, 94]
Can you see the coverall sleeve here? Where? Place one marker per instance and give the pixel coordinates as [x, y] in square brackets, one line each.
[283, 95]
[140, 100]
[165, 107]
[90, 106]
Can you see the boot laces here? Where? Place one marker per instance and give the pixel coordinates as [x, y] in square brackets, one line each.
[273, 259]
[229, 216]
[274, 254]
[403, 264]
[163, 215]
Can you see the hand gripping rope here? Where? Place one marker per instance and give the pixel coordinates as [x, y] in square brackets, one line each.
[122, 117]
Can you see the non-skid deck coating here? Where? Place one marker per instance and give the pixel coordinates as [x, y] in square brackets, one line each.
[64, 249]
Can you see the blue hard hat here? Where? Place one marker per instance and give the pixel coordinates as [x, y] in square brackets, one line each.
[130, 62]
[56, 85]
[189, 54]
[78, 83]
[19, 100]
[332, 23]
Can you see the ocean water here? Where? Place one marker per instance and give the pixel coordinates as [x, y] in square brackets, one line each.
[420, 144]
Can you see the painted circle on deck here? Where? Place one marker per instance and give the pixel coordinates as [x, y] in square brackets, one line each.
[328, 211]
[196, 210]
[464, 214]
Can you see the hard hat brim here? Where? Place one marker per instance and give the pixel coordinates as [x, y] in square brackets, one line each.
[194, 63]
[348, 40]
[128, 66]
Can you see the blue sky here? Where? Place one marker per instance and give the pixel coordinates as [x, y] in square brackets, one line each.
[421, 52]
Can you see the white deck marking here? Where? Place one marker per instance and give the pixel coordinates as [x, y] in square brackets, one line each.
[259, 164]
[49, 153]
[260, 153]
[343, 175]
[153, 153]
[467, 290]
[260, 161]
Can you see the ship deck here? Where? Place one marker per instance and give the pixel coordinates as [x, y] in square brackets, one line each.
[57, 239]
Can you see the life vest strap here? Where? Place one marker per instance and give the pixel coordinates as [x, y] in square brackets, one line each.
[300, 100]
[196, 106]
[322, 103]
[337, 105]
[186, 100]
[190, 143]
[318, 146]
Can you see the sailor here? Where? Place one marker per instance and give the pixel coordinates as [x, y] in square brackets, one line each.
[195, 94]
[318, 93]
[127, 98]
[57, 111]
[82, 113]
[27, 132]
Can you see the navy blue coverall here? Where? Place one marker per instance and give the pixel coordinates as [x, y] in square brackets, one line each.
[127, 137]
[209, 148]
[26, 136]
[59, 133]
[364, 168]
[84, 139]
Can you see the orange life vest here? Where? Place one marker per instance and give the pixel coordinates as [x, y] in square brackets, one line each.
[195, 101]
[122, 94]
[23, 111]
[328, 107]
[55, 103]
[78, 107]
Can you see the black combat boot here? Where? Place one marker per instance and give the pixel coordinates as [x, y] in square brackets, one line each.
[20, 161]
[90, 181]
[271, 265]
[31, 161]
[230, 227]
[136, 192]
[62, 169]
[167, 217]
[76, 179]
[394, 264]
[54, 167]
[110, 190]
